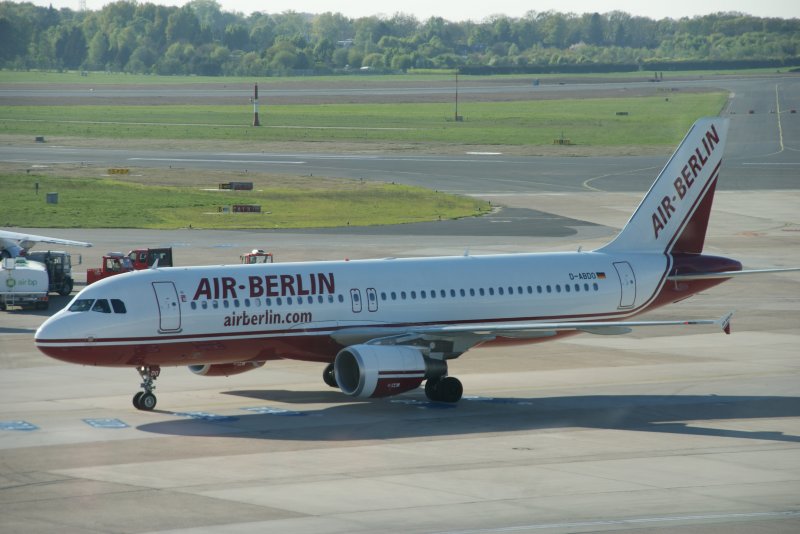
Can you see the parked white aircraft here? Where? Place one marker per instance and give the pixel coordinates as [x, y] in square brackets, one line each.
[384, 326]
[13, 244]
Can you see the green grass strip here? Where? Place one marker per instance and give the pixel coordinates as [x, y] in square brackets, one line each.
[107, 203]
[650, 121]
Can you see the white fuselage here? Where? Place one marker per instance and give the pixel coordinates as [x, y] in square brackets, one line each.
[197, 308]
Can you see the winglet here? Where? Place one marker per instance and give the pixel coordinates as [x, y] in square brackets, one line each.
[725, 323]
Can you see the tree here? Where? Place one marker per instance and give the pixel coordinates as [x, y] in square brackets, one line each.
[182, 25]
[236, 37]
[333, 27]
[70, 46]
[98, 53]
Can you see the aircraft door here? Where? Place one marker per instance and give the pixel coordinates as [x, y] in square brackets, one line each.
[169, 308]
[627, 281]
[355, 300]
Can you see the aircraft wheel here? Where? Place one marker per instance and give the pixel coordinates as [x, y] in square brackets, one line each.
[450, 389]
[329, 376]
[431, 388]
[444, 389]
[147, 401]
[136, 399]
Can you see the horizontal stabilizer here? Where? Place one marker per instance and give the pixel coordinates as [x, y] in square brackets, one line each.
[727, 274]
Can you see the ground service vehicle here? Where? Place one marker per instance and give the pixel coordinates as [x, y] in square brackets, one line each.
[117, 263]
[257, 256]
[142, 258]
[59, 270]
[23, 283]
[113, 263]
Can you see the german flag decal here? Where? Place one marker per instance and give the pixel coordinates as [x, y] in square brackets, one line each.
[601, 276]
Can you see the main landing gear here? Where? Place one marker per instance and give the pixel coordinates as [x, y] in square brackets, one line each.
[441, 388]
[145, 399]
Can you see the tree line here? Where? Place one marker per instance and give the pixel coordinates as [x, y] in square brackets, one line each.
[201, 39]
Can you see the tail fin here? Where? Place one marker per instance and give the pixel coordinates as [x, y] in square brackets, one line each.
[673, 216]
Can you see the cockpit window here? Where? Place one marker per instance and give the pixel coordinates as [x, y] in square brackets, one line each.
[81, 305]
[118, 305]
[101, 305]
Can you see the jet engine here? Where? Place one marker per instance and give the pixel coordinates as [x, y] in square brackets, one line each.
[224, 369]
[366, 371]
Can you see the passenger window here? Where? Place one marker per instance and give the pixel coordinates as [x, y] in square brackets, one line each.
[413, 294]
[193, 305]
[500, 290]
[461, 292]
[215, 304]
[596, 287]
[204, 304]
[566, 288]
[81, 305]
[341, 298]
[101, 305]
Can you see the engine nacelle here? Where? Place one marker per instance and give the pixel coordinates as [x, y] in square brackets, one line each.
[366, 371]
[225, 369]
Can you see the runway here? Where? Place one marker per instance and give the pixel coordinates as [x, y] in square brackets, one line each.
[661, 431]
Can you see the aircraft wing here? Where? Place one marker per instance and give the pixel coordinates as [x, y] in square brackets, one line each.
[464, 337]
[12, 240]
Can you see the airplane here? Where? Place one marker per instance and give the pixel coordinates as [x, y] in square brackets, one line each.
[384, 326]
[13, 244]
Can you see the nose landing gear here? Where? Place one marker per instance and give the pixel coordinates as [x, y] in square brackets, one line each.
[145, 399]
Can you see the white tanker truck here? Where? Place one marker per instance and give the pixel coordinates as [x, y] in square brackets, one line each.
[23, 283]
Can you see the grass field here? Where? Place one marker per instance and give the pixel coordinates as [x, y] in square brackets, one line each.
[91, 202]
[107, 203]
[588, 122]
[103, 78]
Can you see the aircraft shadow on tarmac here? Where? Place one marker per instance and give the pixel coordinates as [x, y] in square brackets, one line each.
[412, 416]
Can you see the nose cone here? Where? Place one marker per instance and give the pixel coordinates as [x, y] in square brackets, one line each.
[60, 337]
